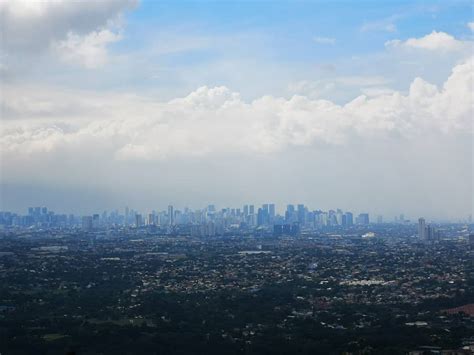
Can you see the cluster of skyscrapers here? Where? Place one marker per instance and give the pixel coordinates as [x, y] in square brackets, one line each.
[250, 215]
[206, 221]
[427, 232]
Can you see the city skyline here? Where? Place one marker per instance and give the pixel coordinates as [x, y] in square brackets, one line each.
[277, 214]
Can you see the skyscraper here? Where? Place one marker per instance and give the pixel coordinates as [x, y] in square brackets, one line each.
[261, 213]
[363, 219]
[151, 219]
[301, 214]
[127, 215]
[138, 220]
[171, 215]
[421, 228]
[95, 221]
[271, 211]
[87, 223]
[290, 214]
[349, 219]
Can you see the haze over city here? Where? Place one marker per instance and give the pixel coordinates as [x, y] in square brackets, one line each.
[236, 177]
[124, 103]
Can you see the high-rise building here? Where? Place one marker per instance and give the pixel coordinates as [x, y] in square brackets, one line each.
[211, 208]
[170, 215]
[87, 223]
[251, 209]
[138, 220]
[290, 214]
[260, 217]
[349, 219]
[363, 219]
[151, 219]
[271, 211]
[421, 228]
[301, 214]
[95, 221]
[127, 216]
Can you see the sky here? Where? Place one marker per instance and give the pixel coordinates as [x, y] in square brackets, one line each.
[364, 106]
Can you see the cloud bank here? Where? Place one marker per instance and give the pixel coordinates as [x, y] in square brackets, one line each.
[217, 121]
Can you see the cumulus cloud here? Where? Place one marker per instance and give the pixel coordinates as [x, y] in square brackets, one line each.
[332, 87]
[435, 41]
[80, 31]
[89, 51]
[217, 121]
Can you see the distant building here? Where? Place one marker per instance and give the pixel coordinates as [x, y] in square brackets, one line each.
[286, 229]
[170, 215]
[87, 223]
[95, 221]
[127, 216]
[138, 220]
[301, 214]
[271, 211]
[349, 219]
[422, 228]
[251, 209]
[427, 232]
[260, 217]
[151, 219]
[363, 219]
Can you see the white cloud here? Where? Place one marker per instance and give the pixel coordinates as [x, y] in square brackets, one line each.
[384, 25]
[377, 91]
[324, 40]
[89, 51]
[333, 87]
[435, 41]
[471, 26]
[217, 121]
[30, 27]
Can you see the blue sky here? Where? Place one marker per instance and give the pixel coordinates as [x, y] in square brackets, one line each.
[290, 26]
[274, 36]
